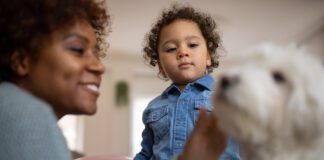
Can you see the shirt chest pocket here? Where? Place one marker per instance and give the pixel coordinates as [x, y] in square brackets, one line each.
[205, 103]
[157, 119]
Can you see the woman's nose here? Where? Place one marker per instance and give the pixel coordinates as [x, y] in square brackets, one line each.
[95, 65]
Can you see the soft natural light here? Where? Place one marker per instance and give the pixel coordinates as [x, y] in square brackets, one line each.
[72, 128]
[137, 124]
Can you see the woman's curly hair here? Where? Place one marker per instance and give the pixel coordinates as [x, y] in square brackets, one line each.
[206, 25]
[25, 24]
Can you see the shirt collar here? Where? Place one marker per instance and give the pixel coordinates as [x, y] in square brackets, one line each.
[206, 82]
[171, 89]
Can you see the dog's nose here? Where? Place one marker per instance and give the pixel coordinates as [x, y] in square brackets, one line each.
[227, 81]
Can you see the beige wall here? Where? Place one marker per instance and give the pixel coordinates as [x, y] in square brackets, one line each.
[109, 131]
[315, 42]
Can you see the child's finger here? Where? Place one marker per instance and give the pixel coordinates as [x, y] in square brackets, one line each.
[202, 122]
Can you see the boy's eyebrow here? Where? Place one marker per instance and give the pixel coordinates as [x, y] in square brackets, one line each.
[168, 41]
[192, 37]
[186, 38]
[83, 38]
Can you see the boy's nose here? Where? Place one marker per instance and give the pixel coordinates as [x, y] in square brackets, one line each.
[182, 54]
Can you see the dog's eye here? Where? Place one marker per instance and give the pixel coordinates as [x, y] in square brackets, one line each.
[278, 76]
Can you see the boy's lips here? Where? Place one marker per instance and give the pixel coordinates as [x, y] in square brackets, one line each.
[185, 65]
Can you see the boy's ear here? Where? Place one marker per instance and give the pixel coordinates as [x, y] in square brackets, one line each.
[20, 63]
[209, 61]
[161, 70]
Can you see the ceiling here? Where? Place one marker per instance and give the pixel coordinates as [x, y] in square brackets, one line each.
[242, 23]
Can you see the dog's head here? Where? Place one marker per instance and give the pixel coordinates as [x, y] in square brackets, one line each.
[272, 92]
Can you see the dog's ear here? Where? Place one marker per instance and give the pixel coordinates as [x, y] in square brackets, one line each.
[305, 116]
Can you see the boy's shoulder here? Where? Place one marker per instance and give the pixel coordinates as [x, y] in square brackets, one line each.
[157, 101]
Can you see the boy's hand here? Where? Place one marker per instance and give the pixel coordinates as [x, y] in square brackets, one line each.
[206, 142]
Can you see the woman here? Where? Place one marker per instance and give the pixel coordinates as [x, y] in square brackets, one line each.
[50, 66]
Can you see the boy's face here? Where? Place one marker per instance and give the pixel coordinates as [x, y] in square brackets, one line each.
[183, 54]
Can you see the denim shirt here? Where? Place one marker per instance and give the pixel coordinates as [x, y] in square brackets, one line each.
[170, 118]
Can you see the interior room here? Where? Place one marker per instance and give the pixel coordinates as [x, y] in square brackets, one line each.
[129, 83]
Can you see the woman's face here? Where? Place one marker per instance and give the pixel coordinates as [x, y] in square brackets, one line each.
[67, 72]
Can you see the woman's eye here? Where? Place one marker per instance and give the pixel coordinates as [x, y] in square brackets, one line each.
[78, 51]
[193, 45]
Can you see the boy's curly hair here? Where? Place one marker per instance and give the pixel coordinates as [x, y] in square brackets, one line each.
[25, 24]
[206, 25]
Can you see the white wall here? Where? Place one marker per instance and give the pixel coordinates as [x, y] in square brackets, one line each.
[109, 131]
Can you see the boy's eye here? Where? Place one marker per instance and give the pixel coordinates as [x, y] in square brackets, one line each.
[171, 49]
[193, 45]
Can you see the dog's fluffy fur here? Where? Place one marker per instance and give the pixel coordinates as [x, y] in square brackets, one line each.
[272, 103]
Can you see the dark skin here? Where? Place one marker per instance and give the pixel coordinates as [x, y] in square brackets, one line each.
[207, 142]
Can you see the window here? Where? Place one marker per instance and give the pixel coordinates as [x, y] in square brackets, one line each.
[72, 128]
[137, 124]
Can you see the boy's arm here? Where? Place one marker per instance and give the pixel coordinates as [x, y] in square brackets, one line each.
[206, 142]
[147, 145]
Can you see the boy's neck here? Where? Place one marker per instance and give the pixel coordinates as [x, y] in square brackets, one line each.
[181, 86]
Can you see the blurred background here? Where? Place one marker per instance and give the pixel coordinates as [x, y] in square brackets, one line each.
[129, 83]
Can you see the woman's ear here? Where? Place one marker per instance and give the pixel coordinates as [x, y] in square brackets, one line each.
[20, 63]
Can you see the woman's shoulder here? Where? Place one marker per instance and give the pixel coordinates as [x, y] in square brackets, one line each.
[29, 126]
[16, 102]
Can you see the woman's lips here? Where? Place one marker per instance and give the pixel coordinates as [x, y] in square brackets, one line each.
[92, 88]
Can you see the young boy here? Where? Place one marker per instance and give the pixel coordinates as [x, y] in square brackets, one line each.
[183, 45]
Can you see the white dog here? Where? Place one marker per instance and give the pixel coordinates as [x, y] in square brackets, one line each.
[272, 103]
